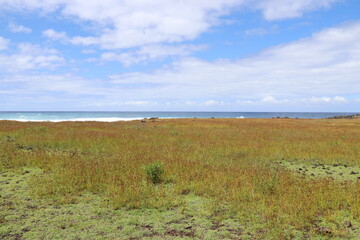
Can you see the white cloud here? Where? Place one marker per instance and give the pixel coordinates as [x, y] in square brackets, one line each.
[321, 69]
[296, 101]
[45, 83]
[88, 51]
[261, 31]
[326, 64]
[108, 103]
[269, 99]
[77, 40]
[54, 35]
[335, 99]
[125, 24]
[150, 52]
[3, 43]
[84, 41]
[29, 56]
[281, 9]
[137, 23]
[212, 102]
[256, 31]
[339, 99]
[16, 28]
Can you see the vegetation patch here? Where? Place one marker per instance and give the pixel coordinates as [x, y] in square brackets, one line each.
[25, 216]
[154, 172]
[335, 171]
[217, 179]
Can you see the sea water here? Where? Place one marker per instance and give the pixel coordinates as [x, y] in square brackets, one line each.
[128, 116]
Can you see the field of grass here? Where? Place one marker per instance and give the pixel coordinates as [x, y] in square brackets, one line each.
[223, 179]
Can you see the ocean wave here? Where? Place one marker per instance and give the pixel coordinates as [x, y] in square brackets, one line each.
[112, 119]
[240, 117]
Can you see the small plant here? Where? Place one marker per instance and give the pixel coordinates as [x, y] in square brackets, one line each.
[154, 172]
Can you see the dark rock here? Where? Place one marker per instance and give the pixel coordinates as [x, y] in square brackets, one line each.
[347, 224]
[345, 117]
[26, 229]
[185, 192]
[324, 231]
[9, 139]
[147, 226]
[176, 233]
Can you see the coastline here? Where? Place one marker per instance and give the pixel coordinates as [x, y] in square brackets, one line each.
[132, 116]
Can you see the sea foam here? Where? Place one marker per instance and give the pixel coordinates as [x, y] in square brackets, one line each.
[112, 119]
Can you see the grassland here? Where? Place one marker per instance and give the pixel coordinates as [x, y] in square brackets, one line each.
[223, 179]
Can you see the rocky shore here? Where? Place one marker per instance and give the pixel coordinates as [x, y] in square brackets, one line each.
[356, 116]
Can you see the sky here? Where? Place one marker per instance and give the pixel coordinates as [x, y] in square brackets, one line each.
[180, 55]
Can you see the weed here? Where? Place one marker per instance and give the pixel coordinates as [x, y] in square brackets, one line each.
[154, 172]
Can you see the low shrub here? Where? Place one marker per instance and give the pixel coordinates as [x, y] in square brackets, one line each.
[154, 172]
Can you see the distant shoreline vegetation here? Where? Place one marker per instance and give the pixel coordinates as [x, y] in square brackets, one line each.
[356, 116]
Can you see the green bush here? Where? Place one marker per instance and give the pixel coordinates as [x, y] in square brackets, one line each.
[154, 172]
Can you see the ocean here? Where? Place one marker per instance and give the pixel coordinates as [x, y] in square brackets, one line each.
[128, 116]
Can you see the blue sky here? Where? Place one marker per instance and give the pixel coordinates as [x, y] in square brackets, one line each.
[190, 55]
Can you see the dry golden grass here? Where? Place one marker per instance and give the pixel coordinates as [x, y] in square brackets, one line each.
[231, 161]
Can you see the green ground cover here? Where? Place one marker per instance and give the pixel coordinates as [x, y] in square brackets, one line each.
[181, 179]
[25, 216]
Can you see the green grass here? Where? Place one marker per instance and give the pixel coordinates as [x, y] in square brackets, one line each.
[89, 216]
[222, 179]
[316, 170]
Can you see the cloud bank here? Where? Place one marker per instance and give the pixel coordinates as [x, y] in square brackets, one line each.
[134, 23]
[316, 70]
[328, 63]
[321, 69]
